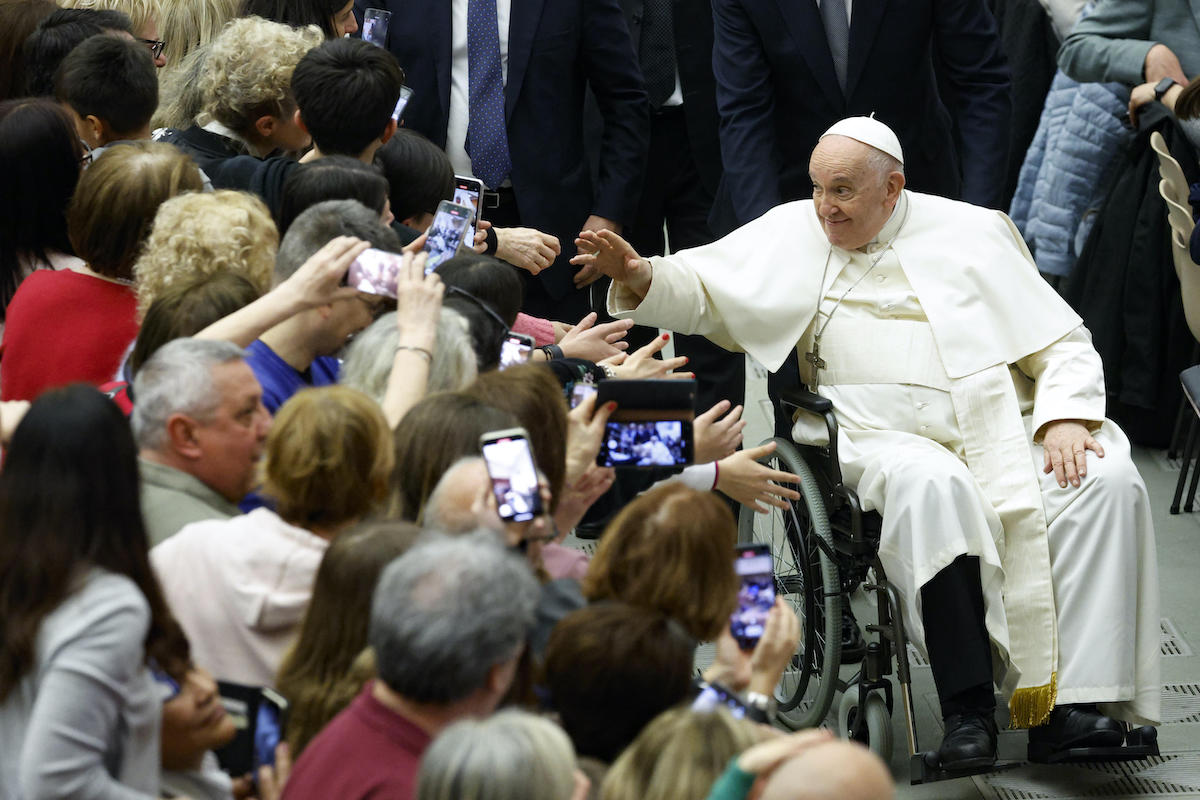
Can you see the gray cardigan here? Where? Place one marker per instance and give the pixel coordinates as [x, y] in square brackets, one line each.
[84, 722]
[1110, 43]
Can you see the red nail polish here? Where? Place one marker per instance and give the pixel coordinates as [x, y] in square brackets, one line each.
[666, 336]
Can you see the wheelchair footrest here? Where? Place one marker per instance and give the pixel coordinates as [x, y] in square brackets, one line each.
[1139, 743]
[924, 768]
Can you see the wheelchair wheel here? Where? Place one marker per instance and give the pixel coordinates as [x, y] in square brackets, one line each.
[877, 733]
[807, 578]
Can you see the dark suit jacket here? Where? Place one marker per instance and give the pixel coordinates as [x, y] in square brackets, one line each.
[555, 49]
[692, 21]
[777, 93]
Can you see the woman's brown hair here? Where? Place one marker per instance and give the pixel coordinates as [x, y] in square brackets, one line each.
[534, 396]
[328, 457]
[316, 675]
[114, 204]
[670, 550]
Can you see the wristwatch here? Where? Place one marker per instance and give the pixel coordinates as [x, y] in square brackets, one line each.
[761, 707]
[1162, 87]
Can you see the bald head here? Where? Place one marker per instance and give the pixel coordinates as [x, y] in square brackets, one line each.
[836, 770]
[451, 504]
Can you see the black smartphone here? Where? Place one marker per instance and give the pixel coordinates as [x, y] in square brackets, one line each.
[514, 475]
[260, 717]
[517, 348]
[756, 593]
[652, 425]
[467, 192]
[580, 391]
[375, 272]
[405, 95]
[448, 231]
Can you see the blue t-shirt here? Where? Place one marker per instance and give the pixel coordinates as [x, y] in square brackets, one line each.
[280, 380]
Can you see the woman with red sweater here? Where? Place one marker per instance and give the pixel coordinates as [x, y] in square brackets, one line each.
[76, 324]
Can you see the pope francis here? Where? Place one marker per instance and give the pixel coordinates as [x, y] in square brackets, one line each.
[971, 406]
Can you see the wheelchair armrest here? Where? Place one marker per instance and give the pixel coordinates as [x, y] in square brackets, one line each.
[802, 398]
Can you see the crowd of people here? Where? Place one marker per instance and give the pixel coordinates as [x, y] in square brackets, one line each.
[250, 541]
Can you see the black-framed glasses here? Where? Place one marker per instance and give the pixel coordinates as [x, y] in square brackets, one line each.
[156, 46]
[85, 160]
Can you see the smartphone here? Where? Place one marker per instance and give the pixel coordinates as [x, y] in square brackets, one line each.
[713, 696]
[467, 192]
[447, 232]
[581, 391]
[516, 349]
[756, 593]
[514, 476]
[260, 716]
[656, 443]
[375, 272]
[405, 95]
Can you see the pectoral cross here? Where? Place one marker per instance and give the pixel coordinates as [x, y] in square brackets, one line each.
[814, 357]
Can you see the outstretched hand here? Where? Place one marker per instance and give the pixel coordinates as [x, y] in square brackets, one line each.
[753, 484]
[593, 342]
[606, 253]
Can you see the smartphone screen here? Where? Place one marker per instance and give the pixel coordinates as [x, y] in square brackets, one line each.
[405, 95]
[466, 193]
[516, 349]
[514, 475]
[653, 443]
[375, 272]
[268, 727]
[713, 696]
[580, 391]
[756, 594]
[447, 232]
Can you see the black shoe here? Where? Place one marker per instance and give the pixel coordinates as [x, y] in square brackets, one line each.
[854, 646]
[1075, 726]
[970, 741]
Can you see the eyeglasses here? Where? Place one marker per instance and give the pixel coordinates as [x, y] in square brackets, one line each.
[522, 546]
[170, 687]
[156, 46]
[85, 160]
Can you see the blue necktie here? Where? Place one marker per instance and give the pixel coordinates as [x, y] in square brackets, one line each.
[487, 137]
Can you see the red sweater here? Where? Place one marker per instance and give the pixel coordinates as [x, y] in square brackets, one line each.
[63, 327]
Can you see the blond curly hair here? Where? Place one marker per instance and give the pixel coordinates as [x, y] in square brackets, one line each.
[248, 71]
[202, 233]
[140, 12]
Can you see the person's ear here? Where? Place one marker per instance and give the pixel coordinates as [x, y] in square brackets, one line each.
[501, 675]
[895, 183]
[388, 132]
[181, 433]
[97, 130]
[300, 122]
[265, 126]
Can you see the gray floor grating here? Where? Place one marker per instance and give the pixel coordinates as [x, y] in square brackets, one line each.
[915, 659]
[1173, 644]
[1181, 703]
[1171, 775]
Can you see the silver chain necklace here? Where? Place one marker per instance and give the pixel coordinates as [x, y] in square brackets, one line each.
[813, 356]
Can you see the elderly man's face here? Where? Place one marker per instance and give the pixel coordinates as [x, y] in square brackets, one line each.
[851, 199]
[232, 441]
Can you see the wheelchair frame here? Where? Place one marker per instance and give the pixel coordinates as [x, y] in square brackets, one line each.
[832, 535]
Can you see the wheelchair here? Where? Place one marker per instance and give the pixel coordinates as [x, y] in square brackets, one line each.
[824, 546]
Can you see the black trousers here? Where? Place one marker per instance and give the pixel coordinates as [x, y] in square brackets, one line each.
[960, 654]
[673, 195]
[537, 301]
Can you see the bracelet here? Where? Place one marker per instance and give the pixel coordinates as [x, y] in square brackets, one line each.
[428, 355]
[608, 371]
[493, 242]
[552, 351]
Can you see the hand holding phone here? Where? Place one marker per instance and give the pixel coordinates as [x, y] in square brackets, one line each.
[467, 192]
[447, 232]
[756, 594]
[375, 272]
[510, 464]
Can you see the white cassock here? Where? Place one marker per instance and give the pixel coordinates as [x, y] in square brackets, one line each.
[938, 394]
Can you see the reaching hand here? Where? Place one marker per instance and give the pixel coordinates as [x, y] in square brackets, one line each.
[750, 483]
[578, 497]
[319, 280]
[594, 224]
[764, 757]
[1064, 451]
[774, 650]
[606, 253]
[641, 363]
[527, 248]
[716, 436]
[593, 342]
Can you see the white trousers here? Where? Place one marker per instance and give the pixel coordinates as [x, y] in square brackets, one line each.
[1101, 540]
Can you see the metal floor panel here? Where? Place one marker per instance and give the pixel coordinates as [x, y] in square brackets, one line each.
[1169, 775]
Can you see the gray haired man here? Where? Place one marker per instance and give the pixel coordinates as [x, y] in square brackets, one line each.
[448, 628]
[200, 427]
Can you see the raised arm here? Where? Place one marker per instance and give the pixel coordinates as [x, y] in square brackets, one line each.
[1113, 44]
